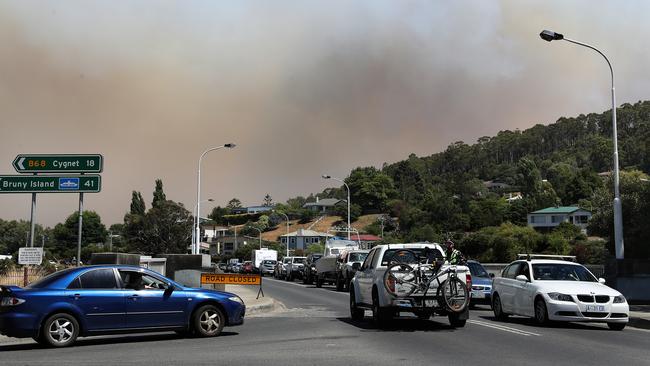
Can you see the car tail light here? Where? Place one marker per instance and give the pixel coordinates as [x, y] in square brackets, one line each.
[390, 284]
[11, 301]
[468, 281]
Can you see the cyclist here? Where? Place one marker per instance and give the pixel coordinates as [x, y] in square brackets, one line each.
[454, 255]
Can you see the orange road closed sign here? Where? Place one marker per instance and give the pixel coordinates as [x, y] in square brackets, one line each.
[230, 279]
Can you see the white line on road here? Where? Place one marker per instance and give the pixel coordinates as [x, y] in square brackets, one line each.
[504, 328]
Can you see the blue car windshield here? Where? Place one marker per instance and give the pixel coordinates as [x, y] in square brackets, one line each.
[48, 280]
[477, 270]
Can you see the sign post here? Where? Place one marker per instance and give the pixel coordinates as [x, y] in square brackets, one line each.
[233, 279]
[63, 164]
[29, 255]
[58, 163]
[90, 183]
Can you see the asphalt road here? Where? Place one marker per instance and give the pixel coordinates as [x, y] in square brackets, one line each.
[314, 329]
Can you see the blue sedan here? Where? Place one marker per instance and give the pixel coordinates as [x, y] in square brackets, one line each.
[106, 299]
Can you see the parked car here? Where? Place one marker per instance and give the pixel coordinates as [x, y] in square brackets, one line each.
[345, 271]
[281, 268]
[236, 267]
[557, 290]
[222, 266]
[294, 268]
[309, 270]
[247, 267]
[368, 290]
[481, 283]
[94, 300]
[268, 267]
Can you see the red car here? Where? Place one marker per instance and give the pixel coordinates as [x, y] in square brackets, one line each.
[247, 267]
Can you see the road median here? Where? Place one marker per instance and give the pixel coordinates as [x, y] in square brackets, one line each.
[254, 305]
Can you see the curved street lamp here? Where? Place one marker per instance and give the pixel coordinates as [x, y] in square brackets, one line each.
[325, 176]
[197, 234]
[549, 36]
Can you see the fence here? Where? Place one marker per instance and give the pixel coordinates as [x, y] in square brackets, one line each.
[16, 276]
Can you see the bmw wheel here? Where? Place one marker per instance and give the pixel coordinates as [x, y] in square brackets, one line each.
[498, 309]
[208, 321]
[541, 314]
[60, 330]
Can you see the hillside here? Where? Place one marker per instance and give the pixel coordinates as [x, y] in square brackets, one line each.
[322, 226]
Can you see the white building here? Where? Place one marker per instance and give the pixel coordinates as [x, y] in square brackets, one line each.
[551, 217]
[302, 238]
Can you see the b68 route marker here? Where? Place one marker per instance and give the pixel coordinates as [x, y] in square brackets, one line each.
[59, 163]
[91, 183]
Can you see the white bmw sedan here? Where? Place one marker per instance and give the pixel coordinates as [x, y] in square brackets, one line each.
[556, 290]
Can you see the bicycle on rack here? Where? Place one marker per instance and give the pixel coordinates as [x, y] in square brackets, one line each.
[409, 273]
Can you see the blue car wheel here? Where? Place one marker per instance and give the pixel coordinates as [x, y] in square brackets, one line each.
[60, 330]
[208, 321]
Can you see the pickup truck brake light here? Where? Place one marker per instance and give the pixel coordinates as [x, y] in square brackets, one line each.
[390, 284]
[468, 281]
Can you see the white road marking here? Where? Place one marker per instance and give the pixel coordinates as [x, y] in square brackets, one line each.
[301, 286]
[504, 328]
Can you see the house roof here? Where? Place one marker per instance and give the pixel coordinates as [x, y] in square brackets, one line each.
[305, 232]
[326, 202]
[558, 210]
[365, 237]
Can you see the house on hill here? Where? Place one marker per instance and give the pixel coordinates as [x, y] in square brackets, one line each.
[551, 217]
[325, 205]
[251, 209]
[302, 238]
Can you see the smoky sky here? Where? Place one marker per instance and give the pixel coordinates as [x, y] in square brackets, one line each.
[302, 87]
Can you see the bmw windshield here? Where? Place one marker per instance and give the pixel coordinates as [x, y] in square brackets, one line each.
[562, 272]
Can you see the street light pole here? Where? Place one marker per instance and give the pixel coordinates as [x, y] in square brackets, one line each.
[197, 216]
[618, 210]
[287, 217]
[348, 189]
[252, 227]
[197, 232]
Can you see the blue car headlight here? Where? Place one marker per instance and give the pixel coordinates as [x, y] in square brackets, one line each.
[560, 297]
[236, 299]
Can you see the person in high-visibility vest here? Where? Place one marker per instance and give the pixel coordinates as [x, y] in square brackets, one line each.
[454, 256]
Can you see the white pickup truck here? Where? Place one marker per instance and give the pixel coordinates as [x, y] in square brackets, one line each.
[368, 291]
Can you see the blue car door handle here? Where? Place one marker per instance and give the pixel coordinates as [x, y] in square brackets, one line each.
[134, 297]
[75, 296]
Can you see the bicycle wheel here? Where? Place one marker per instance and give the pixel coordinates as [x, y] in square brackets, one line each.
[455, 294]
[400, 279]
[404, 256]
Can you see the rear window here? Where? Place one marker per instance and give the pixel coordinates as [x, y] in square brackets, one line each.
[299, 260]
[269, 262]
[48, 280]
[477, 270]
[357, 257]
[433, 254]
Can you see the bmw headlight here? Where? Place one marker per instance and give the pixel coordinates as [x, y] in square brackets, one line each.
[236, 299]
[560, 297]
[619, 299]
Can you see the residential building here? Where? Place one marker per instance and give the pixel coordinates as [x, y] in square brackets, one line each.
[228, 245]
[366, 241]
[550, 217]
[302, 238]
[251, 209]
[325, 205]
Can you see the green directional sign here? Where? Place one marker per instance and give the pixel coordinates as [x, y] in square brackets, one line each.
[90, 183]
[58, 163]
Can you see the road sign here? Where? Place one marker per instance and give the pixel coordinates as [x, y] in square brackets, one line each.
[91, 183]
[30, 256]
[58, 163]
[230, 279]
